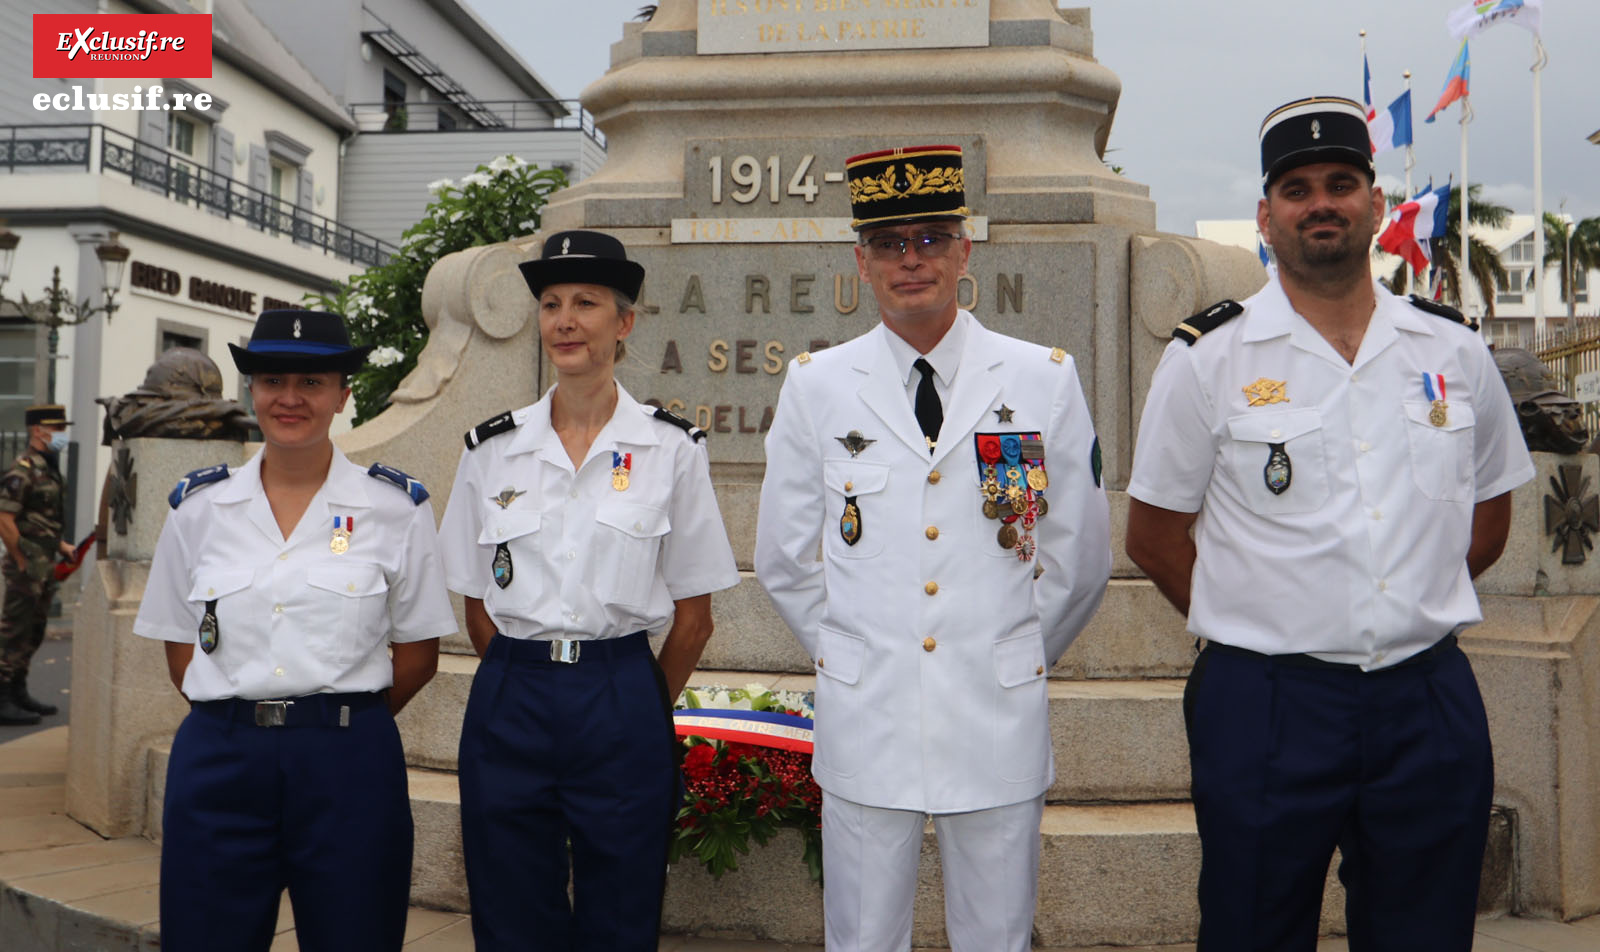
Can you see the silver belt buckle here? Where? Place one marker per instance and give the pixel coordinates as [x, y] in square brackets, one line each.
[272, 713]
[565, 650]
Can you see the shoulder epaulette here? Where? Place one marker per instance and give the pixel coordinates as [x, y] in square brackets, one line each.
[1209, 319]
[410, 484]
[193, 481]
[1442, 310]
[494, 426]
[667, 416]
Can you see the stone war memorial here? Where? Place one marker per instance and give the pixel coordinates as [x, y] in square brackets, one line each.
[728, 124]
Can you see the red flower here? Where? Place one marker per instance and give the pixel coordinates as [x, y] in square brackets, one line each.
[697, 762]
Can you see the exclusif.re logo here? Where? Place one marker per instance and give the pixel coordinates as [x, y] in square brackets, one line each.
[121, 45]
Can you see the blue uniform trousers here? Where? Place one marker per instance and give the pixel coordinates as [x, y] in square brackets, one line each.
[1291, 757]
[552, 754]
[312, 807]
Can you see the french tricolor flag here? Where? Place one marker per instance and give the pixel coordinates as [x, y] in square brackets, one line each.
[1412, 223]
[1391, 128]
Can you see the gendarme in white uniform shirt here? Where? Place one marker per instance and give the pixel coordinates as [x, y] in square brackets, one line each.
[587, 560]
[293, 617]
[1362, 559]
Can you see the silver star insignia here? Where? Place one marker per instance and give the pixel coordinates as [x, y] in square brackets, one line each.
[506, 497]
[855, 442]
[1003, 415]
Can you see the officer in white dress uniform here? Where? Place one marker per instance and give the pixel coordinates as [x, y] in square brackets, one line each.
[576, 527]
[296, 576]
[1344, 458]
[951, 476]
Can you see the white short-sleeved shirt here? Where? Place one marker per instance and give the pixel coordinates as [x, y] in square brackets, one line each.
[1362, 558]
[588, 560]
[294, 617]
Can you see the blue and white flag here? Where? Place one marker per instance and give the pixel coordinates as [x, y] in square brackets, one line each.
[1391, 128]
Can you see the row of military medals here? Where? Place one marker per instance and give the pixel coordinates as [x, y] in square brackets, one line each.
[1011, 467]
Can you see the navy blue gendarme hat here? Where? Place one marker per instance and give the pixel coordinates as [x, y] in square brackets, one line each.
[310, 342]
[583, 257]
[1315, 129]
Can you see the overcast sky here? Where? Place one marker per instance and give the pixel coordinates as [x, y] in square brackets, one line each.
[1197, 78]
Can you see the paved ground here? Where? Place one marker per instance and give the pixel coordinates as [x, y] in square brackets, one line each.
[49, 678]
[64, 889]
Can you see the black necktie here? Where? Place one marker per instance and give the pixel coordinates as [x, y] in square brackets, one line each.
[930, 412]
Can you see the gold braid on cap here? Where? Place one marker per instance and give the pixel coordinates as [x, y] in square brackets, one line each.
[918, 182]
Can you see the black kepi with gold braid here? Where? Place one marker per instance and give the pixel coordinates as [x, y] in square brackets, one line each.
[898, 186]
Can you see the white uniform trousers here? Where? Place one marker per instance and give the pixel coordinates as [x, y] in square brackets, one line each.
[991, 875]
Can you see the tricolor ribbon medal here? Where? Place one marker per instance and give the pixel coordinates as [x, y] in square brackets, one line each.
[342, 527]
[621, 465]
[1433, 388]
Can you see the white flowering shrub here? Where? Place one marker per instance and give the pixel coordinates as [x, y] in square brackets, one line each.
[383, 306]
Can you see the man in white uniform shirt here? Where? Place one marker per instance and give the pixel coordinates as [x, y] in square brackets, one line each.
[951, 477]
[1344, 459]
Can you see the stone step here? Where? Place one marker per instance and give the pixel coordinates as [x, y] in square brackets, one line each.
[1134, 634]
[1114, 740]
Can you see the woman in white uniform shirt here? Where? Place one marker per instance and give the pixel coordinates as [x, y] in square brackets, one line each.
[576, 526]
[296, 576]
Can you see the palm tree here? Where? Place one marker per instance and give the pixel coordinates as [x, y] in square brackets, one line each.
[1583, 240]
[1488, 273]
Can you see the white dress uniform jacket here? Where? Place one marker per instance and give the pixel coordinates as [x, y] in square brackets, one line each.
[588, 560]
[293, 617]
[1362, 559]
[931, 642]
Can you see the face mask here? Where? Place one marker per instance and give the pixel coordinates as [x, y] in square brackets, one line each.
[58, 441]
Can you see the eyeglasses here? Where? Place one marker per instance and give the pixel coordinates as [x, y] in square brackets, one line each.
[893, 247]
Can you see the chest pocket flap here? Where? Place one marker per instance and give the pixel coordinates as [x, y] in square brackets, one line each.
[635, 519]
[852, 477]
[213, 584]
[505, 525]
[350, 579]
[1277, 427]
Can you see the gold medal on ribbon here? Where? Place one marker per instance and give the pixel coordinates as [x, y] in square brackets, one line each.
[1037, 480]
[621, 465]
[339, 543]
[1439, 413]
[619, 480]
[1007, 536]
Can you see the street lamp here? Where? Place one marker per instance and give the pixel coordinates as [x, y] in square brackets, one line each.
[57, 308]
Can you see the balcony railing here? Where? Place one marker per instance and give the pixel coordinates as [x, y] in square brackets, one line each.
[516, 114]
[99, 148]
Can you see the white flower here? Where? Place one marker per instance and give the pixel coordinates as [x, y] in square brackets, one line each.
[438, 185]
[506, 163]
[476, 178]
[360, 304]
[385, 356]
[456, 215]
[529, 226]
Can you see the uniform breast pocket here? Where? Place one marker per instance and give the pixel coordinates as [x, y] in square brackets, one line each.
[856, 511]
[1279, 461]
[229, 588]
[627, 545]
[1441, 453]
[518, 531]
[356, 597]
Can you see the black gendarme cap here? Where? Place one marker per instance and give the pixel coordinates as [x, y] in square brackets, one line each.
[45, 414]
[1317, 129]
[898, 186]
[307, 342]
[584, 257]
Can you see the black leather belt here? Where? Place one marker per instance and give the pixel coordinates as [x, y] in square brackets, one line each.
[566, 650]
[311, 710]
[1307, 661]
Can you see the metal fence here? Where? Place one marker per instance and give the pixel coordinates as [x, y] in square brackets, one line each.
[1569, 352]
[513, 114]
[94, 147]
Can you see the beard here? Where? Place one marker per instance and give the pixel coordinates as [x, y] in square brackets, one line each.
[1317, 259]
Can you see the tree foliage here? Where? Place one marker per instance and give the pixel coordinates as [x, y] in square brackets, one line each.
[1583, 240]
[382, 306]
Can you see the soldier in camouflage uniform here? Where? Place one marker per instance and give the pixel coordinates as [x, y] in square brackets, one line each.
[32, 495]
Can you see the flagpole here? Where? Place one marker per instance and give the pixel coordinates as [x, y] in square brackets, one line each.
[1465, 270]
[1411, 161]
[1540, 58]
